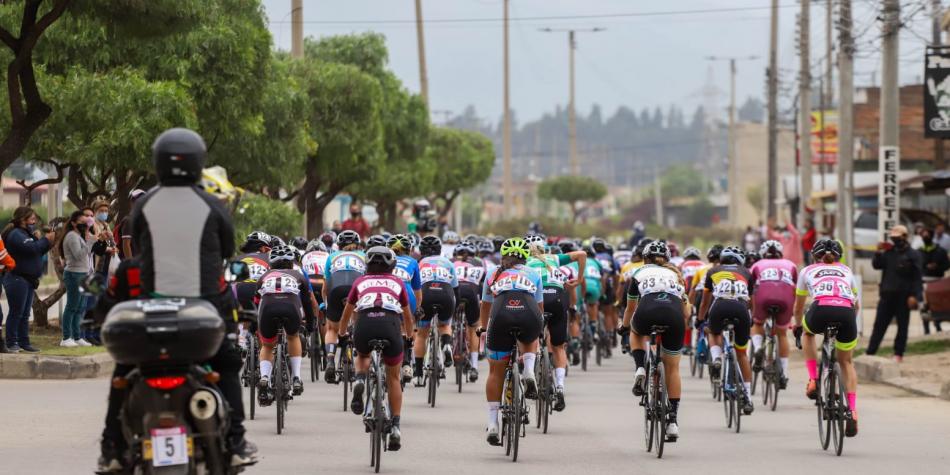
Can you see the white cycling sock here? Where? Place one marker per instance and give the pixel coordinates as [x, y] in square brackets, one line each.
[748, 387]
[331, 349]
[493, 412]
[266, 367]
[559, 374]
[474, 357]
[715, 352]
[757, 342]
[784, 363]
[529, 364]
[295, 365]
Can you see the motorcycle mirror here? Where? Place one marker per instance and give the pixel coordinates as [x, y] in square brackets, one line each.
[237, 271]
[94, 284]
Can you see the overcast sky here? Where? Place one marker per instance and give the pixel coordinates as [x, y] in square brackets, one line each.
[651, 54]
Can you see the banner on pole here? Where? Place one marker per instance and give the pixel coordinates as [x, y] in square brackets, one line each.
[937, 93]
[824, 137]
[888, 190]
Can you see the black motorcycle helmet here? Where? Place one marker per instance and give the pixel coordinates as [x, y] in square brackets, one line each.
[430, 246]
[380, 260]
[179, 157]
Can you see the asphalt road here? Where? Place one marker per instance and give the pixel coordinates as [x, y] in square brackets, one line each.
[52, 427]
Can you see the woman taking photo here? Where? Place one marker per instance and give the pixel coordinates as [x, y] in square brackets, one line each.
[76, 248]
[27, 247]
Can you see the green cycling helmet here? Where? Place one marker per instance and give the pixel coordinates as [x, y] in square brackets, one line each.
[516, 247]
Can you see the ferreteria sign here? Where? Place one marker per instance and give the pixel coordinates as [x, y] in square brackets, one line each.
[888, 190]
[937, 93]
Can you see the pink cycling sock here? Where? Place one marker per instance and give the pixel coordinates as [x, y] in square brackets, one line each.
[812, 366]
[852, 401]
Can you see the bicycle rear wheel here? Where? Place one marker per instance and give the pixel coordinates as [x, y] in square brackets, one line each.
[345, 367]
[660, 405]
[649, 418]
[517, 403]
[739, 394]
[841, 408]
[253, 372]
[314, 353]
[824, 414]
[506, 409]
[585, 348]
[692, 363]
[279, 388]
[378, 413]
[434, 366]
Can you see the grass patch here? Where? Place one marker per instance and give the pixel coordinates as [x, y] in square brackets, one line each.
[924, 347]
[47, 340]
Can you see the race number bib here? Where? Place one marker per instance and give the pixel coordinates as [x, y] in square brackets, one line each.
[169, 447]
[429, 274]
[348, 262]
[378, 300]
[256, 270]
[471, 274]
[402, 274]
[513, 282]
[731, 289]
[313, 264]
[280, 284]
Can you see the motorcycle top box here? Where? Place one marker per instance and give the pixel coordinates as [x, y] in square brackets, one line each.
[163, 331]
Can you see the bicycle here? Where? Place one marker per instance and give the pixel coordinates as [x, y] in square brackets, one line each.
[317, 360]
[731, 385]
[514, 408]
[601, 340]
[460, 345]
[281, 378]
[833, 410]
[346, 373]
[251, 372]
[699, 357]
[655, 400]
[544, 375]
[376, 416]
[587, 337]
[433, 362]
[771, 369]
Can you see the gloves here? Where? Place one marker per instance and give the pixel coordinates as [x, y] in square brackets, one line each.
[623, 330]
[698, 324]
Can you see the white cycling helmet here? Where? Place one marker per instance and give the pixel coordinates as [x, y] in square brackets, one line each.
[770, 247]
[450, 237]
[692, 252]
[535, 242]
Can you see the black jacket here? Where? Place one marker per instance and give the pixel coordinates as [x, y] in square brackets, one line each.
[901, 271]
[28, 253]
[934, 254]
[184, 235]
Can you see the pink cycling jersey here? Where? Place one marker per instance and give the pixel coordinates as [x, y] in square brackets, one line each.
[828, 284]
[774, 287]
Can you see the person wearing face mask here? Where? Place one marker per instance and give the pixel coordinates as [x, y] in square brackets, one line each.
[27, 247]
[356, 222]
[75, 246]
[901, 289]
[935, 265]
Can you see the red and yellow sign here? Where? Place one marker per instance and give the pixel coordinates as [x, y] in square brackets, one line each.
[824, 137]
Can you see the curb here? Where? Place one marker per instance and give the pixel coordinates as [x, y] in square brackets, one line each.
[885, 371]
[55, 367]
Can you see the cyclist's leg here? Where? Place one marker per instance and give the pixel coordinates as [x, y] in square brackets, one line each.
[423, 326]
[447, 301]
[780, 329]
[470, 300]
[741, 342]
[714, 329]
[555, 304]
[671, 315]
[268, 325]
[498, 346]
[812, 324]
[845, 342]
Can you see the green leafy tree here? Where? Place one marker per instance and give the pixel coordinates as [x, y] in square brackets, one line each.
[256, 212]
[464, 159]
[682, 180]
[577, 191]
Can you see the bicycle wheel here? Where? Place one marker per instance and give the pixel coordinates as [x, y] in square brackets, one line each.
[601, 344]
[506, 410]
[253, 372]
[585, 348]
[378, 413]
[692, 363]
[755, 381]
[649, 427]
[314, 355]
[660, 405]
[517, 403]
[279, 387]
[345, 369]
[824, 415]
[724, 380]
[841, 409]
[436, 368]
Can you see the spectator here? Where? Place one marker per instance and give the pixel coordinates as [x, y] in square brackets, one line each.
[809, 239]
[7, 264]
[935, 265]
[789, 238]
[916, 241]
[900, 290]
[123, 231]
[356, 222]
[27, 248]
[941, 237]
[750, 240]
[336, 227]
[75, 246]
[639, 231]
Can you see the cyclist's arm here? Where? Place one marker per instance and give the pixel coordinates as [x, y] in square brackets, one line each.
[407, 323]
[633, 297]
[484, 312]
[707, 298]
[345, 319]
[799, 308]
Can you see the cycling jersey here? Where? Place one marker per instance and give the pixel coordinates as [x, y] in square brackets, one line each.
[437, 269]
[774, 282]
[519, 278]
[257, 265]
[607, 263]
[470, 272]
[342, 269]
[548, 266]
[699, 278]
[689, 269]
[729, 282]
[622, 258]
[314, 263]
[379, 300]
[592, 277]
[407, 269]
[522, 290]
[653, 279]
[828, 284]
[448, 251]
[570, 271]
[285, 297]
[344, 261]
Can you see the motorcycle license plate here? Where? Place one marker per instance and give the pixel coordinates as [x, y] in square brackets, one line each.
[168, 446]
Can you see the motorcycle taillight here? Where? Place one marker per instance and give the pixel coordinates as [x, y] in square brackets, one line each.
[165, 383]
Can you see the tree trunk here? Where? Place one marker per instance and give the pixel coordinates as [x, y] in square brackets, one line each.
[41, 306]
[387, 216]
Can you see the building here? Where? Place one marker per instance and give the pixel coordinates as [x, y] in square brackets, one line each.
[915, 149]
[752, 154]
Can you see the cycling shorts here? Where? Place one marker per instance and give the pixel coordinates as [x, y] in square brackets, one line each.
[245, 293]
[276, 313]
[661, 309]
[317, 285]
[340, 284]
[512, 310]
[438, 300]
[769, 294]
[820, 316]
[724, 310]
[555, 305]
[607, 296]
[378, 324]
[468, 295]
[592, 295]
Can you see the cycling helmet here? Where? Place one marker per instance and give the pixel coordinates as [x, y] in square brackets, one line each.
[714, 252]
[497, 241]
[276, 241]
[515, 247]
[732, 255]
[282, 253]
[400, 242]
[316, 245]
[345, 238]
[674, 250]
[376, 240]
[450, 237]
[656, 249]
[381, 256]
[328, 239]
[623, 246]
[692, 252]
[299, 242]
[827, 245]
[179, 156]
[566, 246]
[415, 238]
[430, 246]
[751, 258]
[588, 250]
[641, 245]
[486, 247]
[465, 247]
[257, 239]
[471, 238]
[771, 248]
[535, 241]
[598, 244]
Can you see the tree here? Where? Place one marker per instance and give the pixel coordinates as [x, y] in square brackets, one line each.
[463, 159]
[577, 191]
[682, 180]
[256, 212]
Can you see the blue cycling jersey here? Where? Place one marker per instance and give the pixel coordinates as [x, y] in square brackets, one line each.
[438, 269]
[520, 278]
[344, 261]
[407, 269]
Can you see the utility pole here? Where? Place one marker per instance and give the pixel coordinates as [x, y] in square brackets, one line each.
[421, 41]
[939, 160]
[733, 170]
[658, 193]
[804, 111]
[296, 20]
[772, 191]
[506, 127]
[829, 89]
[571, 108]
[890, 105]
[845, 205]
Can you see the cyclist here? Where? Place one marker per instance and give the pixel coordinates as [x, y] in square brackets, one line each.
[692, 262]
[696, 287]
[285, 297]
[726, 294]
[774, 280]
[342, 268]
[623, 255]
[832, 287]
[449, 240]
[470, 271]
[406, 269]
[604, 255]
[376, 240]
[438, 302]
[572, 284]
[381, 303]
[511, 298]
[656, 296]
[313, 262]
[751, 258]
[329, 240]
[255, 251]
[593, 287]
[556, 302]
